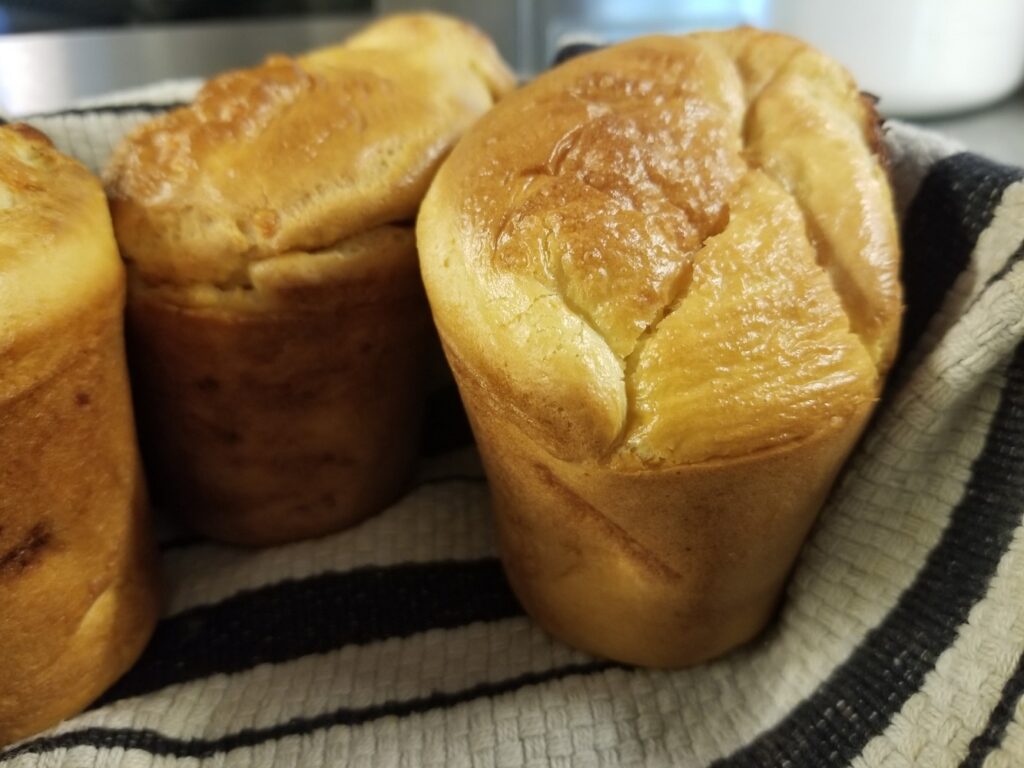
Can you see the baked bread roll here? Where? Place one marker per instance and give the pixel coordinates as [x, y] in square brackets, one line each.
[78, 589]
[665, 275]
[278, 326]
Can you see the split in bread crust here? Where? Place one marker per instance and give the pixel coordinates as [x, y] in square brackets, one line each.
[674, 250]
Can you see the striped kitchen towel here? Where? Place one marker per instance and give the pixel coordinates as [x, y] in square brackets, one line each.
[399, 643]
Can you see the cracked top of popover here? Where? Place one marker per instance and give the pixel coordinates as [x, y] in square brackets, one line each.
[670, 251]
[298, 155]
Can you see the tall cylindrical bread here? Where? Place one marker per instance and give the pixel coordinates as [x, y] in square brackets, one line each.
[78, 584]
[277, 323]
[665, 275]
[291, 410]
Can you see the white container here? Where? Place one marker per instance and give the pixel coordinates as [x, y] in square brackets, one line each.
[921, 57]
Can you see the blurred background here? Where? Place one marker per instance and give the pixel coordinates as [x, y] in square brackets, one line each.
[953, 64]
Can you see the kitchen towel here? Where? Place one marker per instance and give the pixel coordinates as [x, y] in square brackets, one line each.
[399, 643]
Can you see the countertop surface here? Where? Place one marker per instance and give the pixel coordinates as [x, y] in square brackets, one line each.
[43, 72]
[997, 131]
[47, 71]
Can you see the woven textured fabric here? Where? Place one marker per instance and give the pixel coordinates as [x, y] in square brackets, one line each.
[399, 643]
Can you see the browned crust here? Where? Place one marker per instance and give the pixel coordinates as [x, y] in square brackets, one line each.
[30, 132]
[874, 132]
[78, 585]
[265, 427]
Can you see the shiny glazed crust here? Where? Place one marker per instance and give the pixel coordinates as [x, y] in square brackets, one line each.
[277, 322]
[297, 155]
[666, 277]
[78, 586]
[268, 426]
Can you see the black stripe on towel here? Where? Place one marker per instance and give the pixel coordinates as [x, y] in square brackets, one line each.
[158, 744]
[291, 619]
[1000, 716]
[572, 50]
[952, 208]
[1011, 263]
[110, 109]
[445, 426]
[859, 699]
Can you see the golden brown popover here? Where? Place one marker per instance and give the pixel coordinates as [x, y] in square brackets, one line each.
[665, 275]
[78, 587]
[277, 321]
